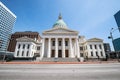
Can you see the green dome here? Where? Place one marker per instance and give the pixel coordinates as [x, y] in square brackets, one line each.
[60, 23]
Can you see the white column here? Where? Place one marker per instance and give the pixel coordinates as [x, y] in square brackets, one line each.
[98, 50]
[103, 51]
[25, 50]
[70, 48]
[20, 55]
[49, 48]
[16, 50]
[77, 47]
[43, 44]
[56, 47]
[75, 51]
[63, 47]
[30, 49]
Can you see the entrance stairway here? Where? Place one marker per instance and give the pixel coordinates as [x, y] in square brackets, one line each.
[59, 60]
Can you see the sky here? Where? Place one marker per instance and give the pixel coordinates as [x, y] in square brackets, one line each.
[92, 18]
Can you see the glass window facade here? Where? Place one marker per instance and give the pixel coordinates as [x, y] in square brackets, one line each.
[7, 20]
[116, 44]
[117, 18]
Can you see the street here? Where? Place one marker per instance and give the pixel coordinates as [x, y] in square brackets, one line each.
[106, 71]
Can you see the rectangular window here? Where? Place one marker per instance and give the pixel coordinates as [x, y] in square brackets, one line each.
[95, 47]
[81, 54]
[17, 53]
[22, 53]
[90, 46]
[81, 48]
[101, 53]
[91, 53]
[59, 43]
[96, 53]
[27, 53]
[23, 46]
[19, 46]
[28, 46]
[38, 48]
[66, 43]
[100, 47]
[53, 43]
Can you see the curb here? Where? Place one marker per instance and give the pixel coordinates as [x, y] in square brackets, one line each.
[56, 62]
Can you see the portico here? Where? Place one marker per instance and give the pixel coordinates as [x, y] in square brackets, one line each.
[60, 42]
[60, 47]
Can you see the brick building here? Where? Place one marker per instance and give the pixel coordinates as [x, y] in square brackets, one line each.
[29, 34]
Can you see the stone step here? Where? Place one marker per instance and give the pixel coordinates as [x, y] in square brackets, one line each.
[59, 60]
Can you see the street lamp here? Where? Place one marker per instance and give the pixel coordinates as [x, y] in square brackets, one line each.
[111, 37]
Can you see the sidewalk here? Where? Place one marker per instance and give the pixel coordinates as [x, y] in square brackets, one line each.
[36, 62]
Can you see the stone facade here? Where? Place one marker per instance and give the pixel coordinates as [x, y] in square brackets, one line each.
[61, 42]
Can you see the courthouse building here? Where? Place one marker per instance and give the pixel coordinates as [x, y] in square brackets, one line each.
[60, 42]
[16, 35]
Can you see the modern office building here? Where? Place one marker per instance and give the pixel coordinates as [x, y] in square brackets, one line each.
[7, 20]
[29, 34]
[62, 43]
[117, 18]
[116, 44]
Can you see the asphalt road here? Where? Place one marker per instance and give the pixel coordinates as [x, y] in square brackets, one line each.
[60, 71]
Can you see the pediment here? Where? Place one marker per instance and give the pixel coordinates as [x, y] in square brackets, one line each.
[60, 30]
[94, 39]
[25, 38]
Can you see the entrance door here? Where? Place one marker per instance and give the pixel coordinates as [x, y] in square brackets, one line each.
[53, 53]
[66, 53]
[59, 53]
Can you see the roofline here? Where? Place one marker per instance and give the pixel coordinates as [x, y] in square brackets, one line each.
[59, 28]
[32, 40]
[7, 9]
